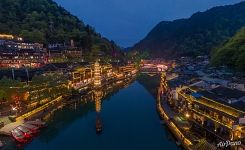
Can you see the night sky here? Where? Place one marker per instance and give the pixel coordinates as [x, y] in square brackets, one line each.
[128, 21]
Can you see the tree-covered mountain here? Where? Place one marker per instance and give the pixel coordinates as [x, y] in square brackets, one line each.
[45, 22]
[195, 35]
[231, 53]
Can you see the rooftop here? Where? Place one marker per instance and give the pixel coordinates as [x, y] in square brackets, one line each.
[223, 96]
[228, 93]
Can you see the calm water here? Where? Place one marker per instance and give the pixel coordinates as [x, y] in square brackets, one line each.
[130, 122]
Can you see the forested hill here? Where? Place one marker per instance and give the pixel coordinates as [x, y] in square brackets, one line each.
[46, 22]
[196, 35]
[231, 53]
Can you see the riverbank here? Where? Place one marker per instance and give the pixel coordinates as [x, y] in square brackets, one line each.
[168, 117]
[45, 111]
[179, 123]
[43, 108]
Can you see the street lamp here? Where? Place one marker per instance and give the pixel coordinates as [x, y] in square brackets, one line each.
[15, 109]
[187, 115]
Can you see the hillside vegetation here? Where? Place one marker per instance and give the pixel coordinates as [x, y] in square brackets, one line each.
[231, 53]
[45, 22]
[196, 35]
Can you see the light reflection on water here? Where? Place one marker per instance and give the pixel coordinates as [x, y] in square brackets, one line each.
[127, 115]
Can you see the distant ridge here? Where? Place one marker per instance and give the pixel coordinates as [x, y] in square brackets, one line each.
[196, 35]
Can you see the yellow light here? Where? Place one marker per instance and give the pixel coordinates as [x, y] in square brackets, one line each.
[6, 36]
[97, 74]
[187, 115]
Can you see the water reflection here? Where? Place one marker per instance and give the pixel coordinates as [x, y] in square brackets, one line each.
[79, 107]
[123, 114]
[98, 95]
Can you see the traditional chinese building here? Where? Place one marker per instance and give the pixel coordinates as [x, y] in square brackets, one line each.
[219, 112]
[15, 53]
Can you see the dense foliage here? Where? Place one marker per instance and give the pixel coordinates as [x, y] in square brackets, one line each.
[231, 53]
[45, 22]
[195, 35]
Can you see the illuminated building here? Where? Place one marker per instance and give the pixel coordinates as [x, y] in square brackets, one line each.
[14, 53]
[6, 36]
[82, 76]
[97, 74]
[106, 72]
[63, 51]
[128, 70]
[214, 111]
[156, 66]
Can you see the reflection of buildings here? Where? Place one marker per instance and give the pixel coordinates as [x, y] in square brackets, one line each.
[98, 95]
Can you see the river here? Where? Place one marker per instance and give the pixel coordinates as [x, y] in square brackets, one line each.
[129, 118]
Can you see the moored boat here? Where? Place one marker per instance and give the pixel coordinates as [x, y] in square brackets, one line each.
[98, 126]
[37, 123]
[27, 133]
[18, 135]
[34, 129]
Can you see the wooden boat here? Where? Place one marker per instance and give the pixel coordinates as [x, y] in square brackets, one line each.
[34, 129]
[98, 126]
[37, 123]
[18, 136]
[27, 133]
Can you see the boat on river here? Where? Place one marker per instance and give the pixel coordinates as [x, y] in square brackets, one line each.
[34, 129]
[18, 136]
[27, 133]
[98, 125]
[37, 123]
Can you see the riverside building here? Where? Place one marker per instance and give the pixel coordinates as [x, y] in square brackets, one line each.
[16, 53]
[218, 113]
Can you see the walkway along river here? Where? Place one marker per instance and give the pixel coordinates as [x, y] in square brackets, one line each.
[129, 122]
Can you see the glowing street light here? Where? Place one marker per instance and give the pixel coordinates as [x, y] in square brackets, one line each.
[15, 109]
[187, 115]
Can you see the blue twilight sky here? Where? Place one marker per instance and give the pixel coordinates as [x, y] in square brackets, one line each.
[128, 21]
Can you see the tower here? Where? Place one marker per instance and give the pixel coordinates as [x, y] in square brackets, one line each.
[97, 74]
